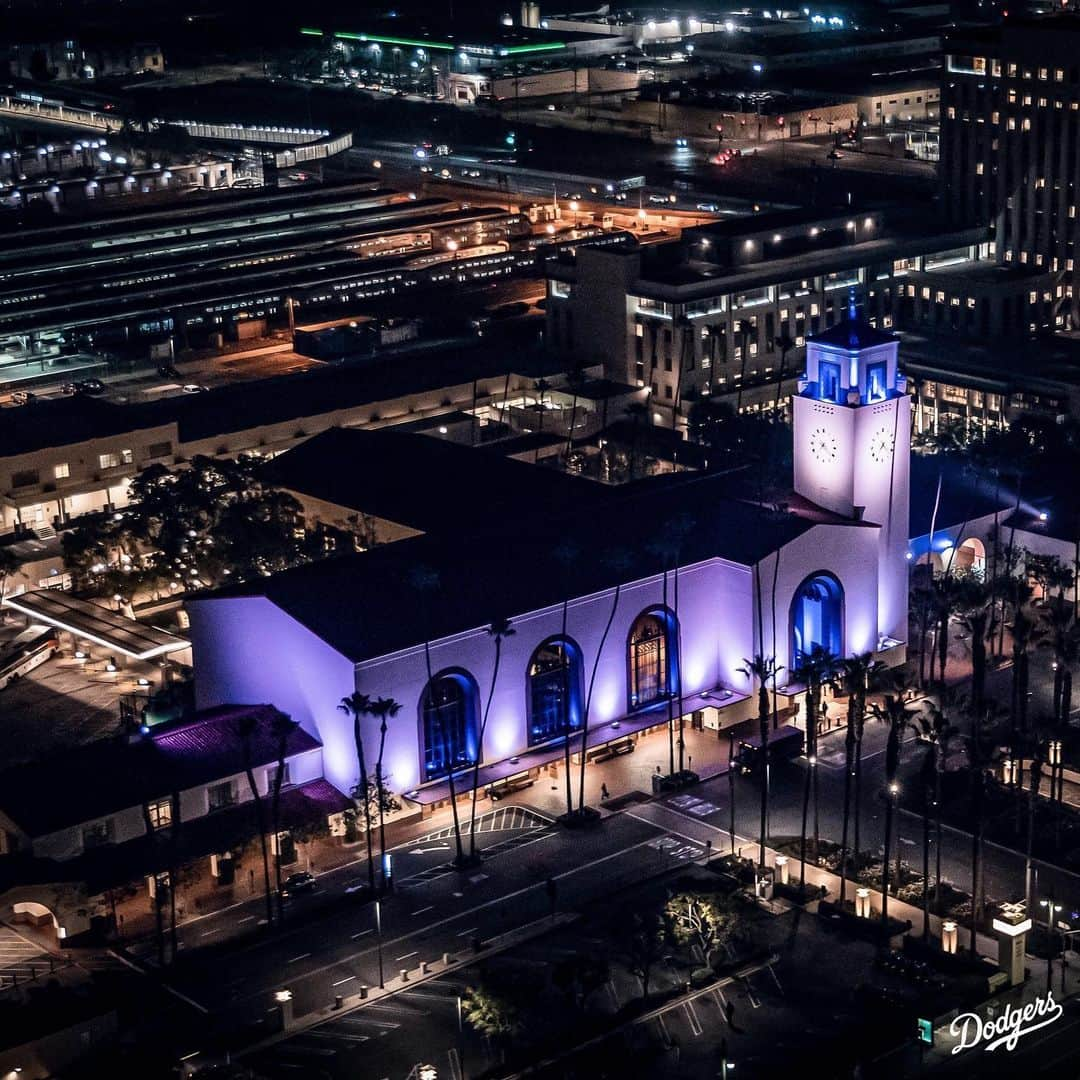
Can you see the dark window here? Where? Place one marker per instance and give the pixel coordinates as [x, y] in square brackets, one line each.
[554, 690]
[651, 658]
[875, 382]
[829, 380]
[449, 714]
[817, 617]
[24, 478]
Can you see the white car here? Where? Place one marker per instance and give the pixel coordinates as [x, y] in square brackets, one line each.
[194, 388]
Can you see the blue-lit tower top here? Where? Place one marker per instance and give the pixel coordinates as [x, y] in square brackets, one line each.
[852, 364]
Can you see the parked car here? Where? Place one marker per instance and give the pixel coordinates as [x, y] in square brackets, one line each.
[301, 882]
[23, 397]
[167, 371]
[194, 388]
[90, 386]
[708, 207]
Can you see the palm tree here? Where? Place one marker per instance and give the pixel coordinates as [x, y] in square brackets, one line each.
[638, 412]
[974, 606]
[745, 329]
[383, 710]
[762, 668]
[785, 343]
[245, 727]
[281, 727]
[499, 629]
[618, 561]
[814, 670]
[575, 380]
[1035, 775]
[1060, 635]
[893, 711]
[425, 581]
[678, 528]
[566, 553]
[357, 705]
[937, 732]
[857, 672]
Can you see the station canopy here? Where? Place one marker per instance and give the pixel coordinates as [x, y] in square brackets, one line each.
[85, 619]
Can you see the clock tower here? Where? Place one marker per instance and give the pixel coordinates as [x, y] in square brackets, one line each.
[852, 447]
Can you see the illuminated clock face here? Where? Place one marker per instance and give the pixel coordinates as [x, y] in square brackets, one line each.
[881, 445]
[822, 445]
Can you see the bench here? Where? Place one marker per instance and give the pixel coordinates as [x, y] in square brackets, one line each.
[499, 789]
[598, 755]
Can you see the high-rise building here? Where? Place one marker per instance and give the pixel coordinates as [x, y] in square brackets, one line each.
[1010, 144]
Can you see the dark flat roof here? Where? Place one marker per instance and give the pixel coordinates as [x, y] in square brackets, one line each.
[371, 604]
[242, 406]
[418, 480]
[101, 778]
[853, 335]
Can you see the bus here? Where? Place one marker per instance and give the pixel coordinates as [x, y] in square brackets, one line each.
[27, 650]
[785, 744]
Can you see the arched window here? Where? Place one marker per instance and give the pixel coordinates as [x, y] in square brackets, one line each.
[554, 690]
[817, 617]
[652, 668]
[449, 720]
[971, 555]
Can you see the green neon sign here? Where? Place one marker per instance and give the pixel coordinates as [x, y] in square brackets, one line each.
[926, 1031]
[379, 39]
[310, 32]
[517, 50]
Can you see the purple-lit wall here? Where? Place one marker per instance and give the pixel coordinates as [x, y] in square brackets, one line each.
[247, 651]
[850, 554]
[714, 613]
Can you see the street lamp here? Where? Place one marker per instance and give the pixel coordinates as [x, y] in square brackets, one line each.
[378, 938]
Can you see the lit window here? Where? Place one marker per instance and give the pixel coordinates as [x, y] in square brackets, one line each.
[1044, 74]
[1059, 75]
[159, 813]
[108, 461]
[979, 168]
[1026, 125]
[61, 471]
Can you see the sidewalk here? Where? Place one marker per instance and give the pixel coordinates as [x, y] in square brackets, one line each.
[199, 895]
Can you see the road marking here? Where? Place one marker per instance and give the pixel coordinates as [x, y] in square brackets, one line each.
[207, 933]
[416, 952]
[471, 930]
[498, 901]
[342, 982]
[425, 850]
[302, 956]
[363, 933]
[430, 907]
[246, 918]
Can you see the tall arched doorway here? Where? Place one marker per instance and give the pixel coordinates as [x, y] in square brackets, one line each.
[449, 723]
[554, 690]
[817, 617]
[652, 658]
[971, 555]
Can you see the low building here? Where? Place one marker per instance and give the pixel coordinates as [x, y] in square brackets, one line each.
[116, 804]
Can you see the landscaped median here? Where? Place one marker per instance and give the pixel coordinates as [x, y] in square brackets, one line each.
[407, 978]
